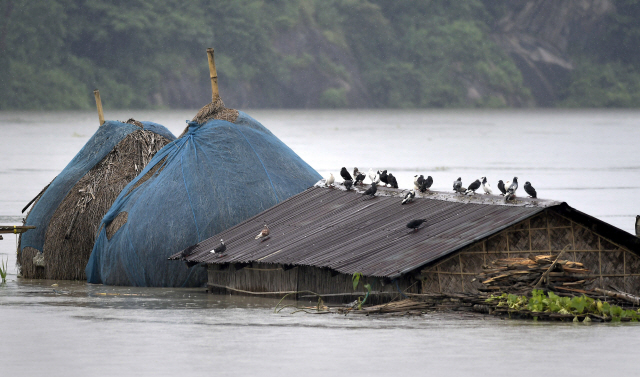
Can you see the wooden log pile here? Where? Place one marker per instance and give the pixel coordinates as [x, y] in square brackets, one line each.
[520, 275]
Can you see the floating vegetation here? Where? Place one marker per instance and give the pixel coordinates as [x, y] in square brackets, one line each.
[550, 305]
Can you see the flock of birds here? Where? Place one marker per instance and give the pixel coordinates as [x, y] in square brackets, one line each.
[508, 189]
[422, 184]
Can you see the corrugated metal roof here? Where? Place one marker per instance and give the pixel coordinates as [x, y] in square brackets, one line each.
[349, 233]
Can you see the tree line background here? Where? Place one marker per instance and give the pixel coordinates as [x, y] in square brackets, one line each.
[320, 53]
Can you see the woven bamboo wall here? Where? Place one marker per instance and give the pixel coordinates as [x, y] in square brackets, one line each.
[263, 277]
[545, 233]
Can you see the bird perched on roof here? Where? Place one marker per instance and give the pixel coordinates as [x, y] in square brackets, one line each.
[415, 224]
[330, 180]
[374, 177]
[427, 184]
[417, 181]
[383, 177]
[486, 186]
[264, 232]
[409, 196]
[509, 196]
[359, 178]
[473, 187]
[220, 248]
[347, 184]
[513, 186]
[501, 187]
[345, 174]
[530, 190]
[392, 180]
[457, 186]
[371, 191]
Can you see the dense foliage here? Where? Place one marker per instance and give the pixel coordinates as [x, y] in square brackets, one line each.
[403, 53]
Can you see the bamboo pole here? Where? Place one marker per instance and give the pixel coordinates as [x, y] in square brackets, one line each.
[620, 295]
[96, 93]
[213, 74]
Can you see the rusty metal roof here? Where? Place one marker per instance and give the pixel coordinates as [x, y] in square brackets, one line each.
[349, 233]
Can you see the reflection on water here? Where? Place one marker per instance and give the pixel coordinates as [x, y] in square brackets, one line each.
[589, 159]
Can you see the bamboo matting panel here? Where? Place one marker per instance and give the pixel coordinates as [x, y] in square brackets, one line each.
[612, 266]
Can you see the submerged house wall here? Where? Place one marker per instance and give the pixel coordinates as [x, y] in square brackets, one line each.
[543, 234]
[278, 280]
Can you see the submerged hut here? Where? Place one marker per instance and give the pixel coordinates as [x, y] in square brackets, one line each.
[68, 211]
[225, 168]
[321, 238]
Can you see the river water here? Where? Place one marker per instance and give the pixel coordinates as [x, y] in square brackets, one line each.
[590, 159]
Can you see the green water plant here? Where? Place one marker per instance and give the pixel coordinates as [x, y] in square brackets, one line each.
[3, 270]
[578, 306]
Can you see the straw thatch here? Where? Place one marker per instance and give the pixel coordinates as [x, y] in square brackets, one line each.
[71, 232]
[214, 110]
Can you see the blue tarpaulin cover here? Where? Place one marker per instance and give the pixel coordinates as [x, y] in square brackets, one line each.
[99, 145]
[215, 176]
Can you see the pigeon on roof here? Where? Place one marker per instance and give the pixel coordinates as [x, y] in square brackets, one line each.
[415, 224]
[348, 184]
[513, 186]
[345, 174]
[330, 180]
[509, 196]
[501, 187]
[409, 197]
[473, 186]
[360, 178]
[486, 186]
[374, 177]
[530, 190]
[220, 248]
[371, 191]
[392, 180]
[418, 180]
[427, 184]
[457, 186]
[263, 233]
[383, 177]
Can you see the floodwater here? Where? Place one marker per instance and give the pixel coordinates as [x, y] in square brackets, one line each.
[590, 159]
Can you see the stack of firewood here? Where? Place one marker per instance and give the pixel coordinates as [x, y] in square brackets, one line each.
[516, 275]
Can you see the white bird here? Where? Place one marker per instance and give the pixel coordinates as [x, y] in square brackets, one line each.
[486, 186]
[263, 233]
[374, 177]
[330, 180]
[409, 197]
[416, 185]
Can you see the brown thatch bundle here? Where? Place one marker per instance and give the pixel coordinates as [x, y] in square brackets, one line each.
[214, 110]
[73, 227]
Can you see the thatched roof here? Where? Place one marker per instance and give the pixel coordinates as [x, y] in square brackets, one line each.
[68, 234]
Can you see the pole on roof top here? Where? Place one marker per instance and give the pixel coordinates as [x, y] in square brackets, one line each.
[96, 93]
[213, 74]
